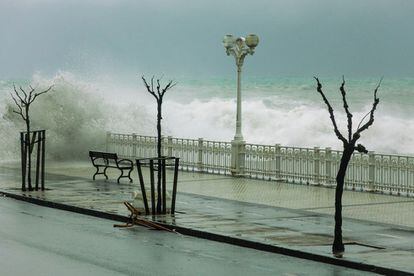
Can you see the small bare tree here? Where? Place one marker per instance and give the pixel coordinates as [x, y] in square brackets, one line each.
[158, 94]
[23, 100]
[349, 146]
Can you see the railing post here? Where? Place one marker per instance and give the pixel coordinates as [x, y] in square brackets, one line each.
[410, 177]
[328, 165]
[316, 161]
[238, 156]
[277, 161]
[108, 140]
[134, 145]
[169, 146]
[371, 171]
[200, 155]
[42, 175]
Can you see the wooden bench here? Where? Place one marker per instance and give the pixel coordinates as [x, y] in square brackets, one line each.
[110, 160]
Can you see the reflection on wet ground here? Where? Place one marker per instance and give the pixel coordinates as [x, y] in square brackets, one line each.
[64, 243]
[377, 227]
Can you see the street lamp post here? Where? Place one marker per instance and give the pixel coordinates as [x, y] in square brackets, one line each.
[239, 48]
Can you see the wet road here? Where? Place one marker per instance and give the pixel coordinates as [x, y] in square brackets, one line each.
[36, 240]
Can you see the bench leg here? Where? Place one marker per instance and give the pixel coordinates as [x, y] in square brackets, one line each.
[97, 172]
[129, 174]
[104, 172]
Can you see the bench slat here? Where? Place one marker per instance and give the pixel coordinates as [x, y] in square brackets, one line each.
[105, 155]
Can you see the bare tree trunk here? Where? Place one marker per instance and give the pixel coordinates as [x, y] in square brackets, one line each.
[338, 246]
[28, 151]
[159, 117]
[158, 95]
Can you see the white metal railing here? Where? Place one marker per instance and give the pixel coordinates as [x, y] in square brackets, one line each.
[384, 173]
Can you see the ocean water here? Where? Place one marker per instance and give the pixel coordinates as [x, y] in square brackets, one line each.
[284, 110]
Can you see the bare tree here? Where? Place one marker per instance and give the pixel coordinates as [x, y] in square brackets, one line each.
[158, 94]
[23, 99]
[349, 146]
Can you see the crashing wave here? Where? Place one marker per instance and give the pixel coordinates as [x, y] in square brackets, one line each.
[77, 114]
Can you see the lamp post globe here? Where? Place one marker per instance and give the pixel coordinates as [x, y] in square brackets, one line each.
[252, 40]
[228, 41]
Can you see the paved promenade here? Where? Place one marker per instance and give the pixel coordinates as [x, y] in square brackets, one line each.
[69, 244]
[378, 229]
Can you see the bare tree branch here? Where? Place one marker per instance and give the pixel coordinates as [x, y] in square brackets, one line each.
[360, 148]
[20, 112]
[363, 118]
[158, 87]
[24, 93]
[25, 101]
[40, 93]
[346, 107]
[149, 89]
[17, 93]
[152, 83]
[15, 101]
[159, 93]
[145, 83]
[29, 100]
[168, 87]
[331, 113]
[370, 113]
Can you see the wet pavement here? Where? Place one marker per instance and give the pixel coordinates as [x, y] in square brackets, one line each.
[378, 228]
[43, 241]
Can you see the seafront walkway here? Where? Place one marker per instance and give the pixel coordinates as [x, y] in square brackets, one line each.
[378, 229]
[69, 244]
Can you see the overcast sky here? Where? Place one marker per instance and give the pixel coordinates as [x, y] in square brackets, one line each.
[297, 37]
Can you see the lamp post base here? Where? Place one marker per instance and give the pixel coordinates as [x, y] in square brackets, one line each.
[238, 154]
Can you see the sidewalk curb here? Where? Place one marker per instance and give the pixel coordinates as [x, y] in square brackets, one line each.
[217, 237]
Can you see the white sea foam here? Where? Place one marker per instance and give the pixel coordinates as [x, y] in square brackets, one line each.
[77, 114]
[302, 125]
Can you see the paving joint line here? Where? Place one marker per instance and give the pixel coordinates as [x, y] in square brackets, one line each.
[217, 237]
[360, 204]
[303, 212]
